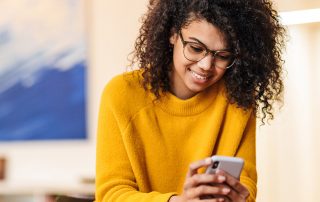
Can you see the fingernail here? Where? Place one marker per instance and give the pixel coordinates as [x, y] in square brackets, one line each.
[221, 178]
[208, 160]
[218, 171]
[225, 190]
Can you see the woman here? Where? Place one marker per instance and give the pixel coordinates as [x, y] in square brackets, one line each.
[207, 68]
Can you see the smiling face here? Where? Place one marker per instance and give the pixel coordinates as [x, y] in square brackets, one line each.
[189, 78]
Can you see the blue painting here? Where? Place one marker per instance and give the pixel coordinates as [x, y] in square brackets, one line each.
[43, 62]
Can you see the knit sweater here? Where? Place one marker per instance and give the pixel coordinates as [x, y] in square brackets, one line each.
[145, 146]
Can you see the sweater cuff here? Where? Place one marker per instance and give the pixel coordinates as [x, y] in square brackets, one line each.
[167, 196]
[252, 188]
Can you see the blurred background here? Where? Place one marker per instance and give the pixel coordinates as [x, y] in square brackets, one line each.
[288, 148]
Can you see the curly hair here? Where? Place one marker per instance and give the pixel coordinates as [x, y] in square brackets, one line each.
[252, 30]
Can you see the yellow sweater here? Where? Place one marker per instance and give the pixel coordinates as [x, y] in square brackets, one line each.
[144, 148]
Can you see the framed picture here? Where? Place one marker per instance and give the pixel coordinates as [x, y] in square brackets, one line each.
[43, 65]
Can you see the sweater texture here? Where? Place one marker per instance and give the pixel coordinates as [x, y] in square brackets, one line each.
[145, 146]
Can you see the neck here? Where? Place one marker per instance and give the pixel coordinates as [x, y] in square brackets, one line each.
[179, 89]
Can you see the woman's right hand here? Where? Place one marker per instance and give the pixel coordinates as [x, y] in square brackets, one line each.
[197, 185]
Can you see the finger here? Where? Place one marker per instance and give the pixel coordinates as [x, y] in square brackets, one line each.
[205, 190]
[235, 196]
[193, 167]
[234, 183]
[220, 199]
[199, 179]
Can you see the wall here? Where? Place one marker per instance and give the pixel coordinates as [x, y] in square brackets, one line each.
[288, 149]
[112, 28]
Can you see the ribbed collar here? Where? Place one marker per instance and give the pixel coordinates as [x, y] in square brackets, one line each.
[192, 106]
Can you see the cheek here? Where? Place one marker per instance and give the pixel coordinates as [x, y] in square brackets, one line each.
[179, 61]
[219, 72]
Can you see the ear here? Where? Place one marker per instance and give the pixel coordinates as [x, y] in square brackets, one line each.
[174, 36]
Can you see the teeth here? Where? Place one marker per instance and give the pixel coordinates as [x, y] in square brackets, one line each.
[199, 76]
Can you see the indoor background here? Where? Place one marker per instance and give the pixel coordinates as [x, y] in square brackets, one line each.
[288, 149]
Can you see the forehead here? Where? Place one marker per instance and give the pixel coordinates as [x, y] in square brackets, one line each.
[207, 33]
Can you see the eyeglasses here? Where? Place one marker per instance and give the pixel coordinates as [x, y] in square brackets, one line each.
[195, 52]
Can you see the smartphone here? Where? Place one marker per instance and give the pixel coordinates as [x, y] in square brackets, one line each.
[231, 165]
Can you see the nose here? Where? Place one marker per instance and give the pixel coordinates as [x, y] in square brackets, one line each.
[207, 62]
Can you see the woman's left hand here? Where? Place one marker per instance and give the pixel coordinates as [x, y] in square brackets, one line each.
[238, 193]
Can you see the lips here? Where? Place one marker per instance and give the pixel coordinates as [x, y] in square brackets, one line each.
[199, 76]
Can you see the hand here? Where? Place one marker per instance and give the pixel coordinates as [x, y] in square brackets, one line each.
[238, 193]
[197, 185]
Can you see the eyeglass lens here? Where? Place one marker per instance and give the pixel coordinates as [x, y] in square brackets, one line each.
[196, 52]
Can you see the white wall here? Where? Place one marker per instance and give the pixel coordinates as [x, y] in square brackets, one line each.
[289, 148]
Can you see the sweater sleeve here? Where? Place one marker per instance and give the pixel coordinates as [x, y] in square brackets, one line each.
[247, 151]
[115, 180]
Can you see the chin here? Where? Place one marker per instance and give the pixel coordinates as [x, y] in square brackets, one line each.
[197, 89]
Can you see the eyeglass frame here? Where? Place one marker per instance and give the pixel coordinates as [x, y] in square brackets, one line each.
[213, 52]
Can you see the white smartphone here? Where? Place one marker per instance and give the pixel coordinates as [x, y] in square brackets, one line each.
[231, 165]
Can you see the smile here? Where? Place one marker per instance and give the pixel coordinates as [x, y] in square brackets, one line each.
[198, 76]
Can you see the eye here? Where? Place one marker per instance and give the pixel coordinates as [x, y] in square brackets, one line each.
[224, 55]
[196, 48]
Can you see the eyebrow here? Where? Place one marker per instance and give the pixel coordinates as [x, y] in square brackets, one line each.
[195, 39]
